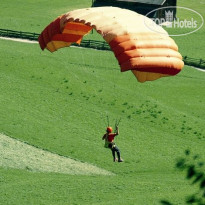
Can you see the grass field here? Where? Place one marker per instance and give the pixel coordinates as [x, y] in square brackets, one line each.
[58, 102]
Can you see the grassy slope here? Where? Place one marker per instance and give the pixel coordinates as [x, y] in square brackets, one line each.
[33, 15]
[59, 103]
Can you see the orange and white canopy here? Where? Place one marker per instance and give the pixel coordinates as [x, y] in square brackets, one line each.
[149, 54]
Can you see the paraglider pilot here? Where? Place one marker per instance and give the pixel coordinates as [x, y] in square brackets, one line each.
[109, 143]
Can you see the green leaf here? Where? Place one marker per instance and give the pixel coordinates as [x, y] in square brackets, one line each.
[190, 172]
[198, 177]
[191, 200]
[202, 185]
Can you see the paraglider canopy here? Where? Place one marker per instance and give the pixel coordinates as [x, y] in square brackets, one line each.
[148, 54]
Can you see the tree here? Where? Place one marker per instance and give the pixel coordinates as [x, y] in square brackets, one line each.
[195, 173]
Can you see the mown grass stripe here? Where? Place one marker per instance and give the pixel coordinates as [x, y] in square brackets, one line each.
[20, 155]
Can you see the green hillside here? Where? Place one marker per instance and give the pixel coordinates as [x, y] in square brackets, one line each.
[33, 15]
[59, 102]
